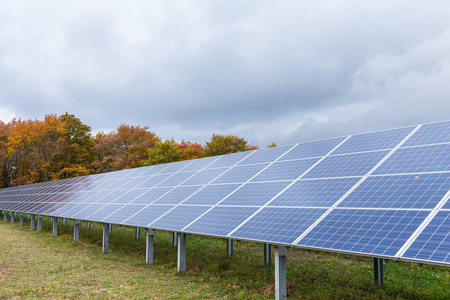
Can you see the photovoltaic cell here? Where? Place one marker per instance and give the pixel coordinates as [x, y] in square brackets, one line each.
[240, 174]
[151, 196]
[211, 194]
[147, 215]
[199, 164]
[204, 177]
[278, 225]
[124, 213]
[433, 133]
[312, 149]
[388, 139]
[177, 195]
[84, 213]
[286, 170]
[256, 194]
[358, 164]
[176, 166]
[379, 232]
[179, 217]
[229, 160]
[417, 159]
[129, 196]
[315, 193]
[153, 181]
[221, 220]
[176, 179]
[423, 191]
[103, 212]
[266, 155]
[433, 244]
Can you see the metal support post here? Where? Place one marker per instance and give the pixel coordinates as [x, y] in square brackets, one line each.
[88, 225]
[149, 252]
[21, 220]
[105, 246]
[55, 226]
[33, 219]
[267, 255]
[175, 239]
[28, 216]
[4, 216]
[378, 271]
[64, 221]
[229, 247]
[110, 228]
[39, 227]
[280, 272]
[76, 230]
[12, 217]
[181, 261]
[138, 233]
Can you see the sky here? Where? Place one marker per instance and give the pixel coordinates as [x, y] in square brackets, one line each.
[268, 71]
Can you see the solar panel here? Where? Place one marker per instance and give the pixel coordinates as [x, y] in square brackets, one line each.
[382, 194]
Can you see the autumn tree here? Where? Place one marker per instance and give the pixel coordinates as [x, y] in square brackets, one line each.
[5, 160]
[122, 149]
[77, 155]
[226, 144]
[35, 143]
[189, 150]
[272, 145]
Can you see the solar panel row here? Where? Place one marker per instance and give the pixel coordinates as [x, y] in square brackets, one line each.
[366, 194]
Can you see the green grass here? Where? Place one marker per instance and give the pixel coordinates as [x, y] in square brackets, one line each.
[35, 265]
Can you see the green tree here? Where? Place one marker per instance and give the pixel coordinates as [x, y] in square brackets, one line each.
[163, 152]
[226, 144]
[272, 145]
[77, 155]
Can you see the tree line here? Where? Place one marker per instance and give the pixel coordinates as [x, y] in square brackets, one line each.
[59, 147]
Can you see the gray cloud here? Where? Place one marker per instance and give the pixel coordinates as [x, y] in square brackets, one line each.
[258, 69]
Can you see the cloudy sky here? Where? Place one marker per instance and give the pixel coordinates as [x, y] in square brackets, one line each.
[268, 71]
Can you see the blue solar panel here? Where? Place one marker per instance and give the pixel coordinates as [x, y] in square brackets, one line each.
[229, 160]
[433, 133]
[199, 164]
[433, 244]
[255, 193]
[153, 181]
[286, 170]
[133, 183]
[417, 159]
[110, 196]
[177, 195]
[129, 196]
[88, 210]
[312, 149]
[346, 165]
[211, 194]
[379, 232]
[124, 213]
[147, 215]
[388, 139]
[176, 166]
[315, 193]
[176, 179]
[240, 174]
[400, 191]
[278, 225]
[205, 176]
[151, 196]
[103, 212]
[221, 220]
[70, 212]
[179, 218]
[266, 155]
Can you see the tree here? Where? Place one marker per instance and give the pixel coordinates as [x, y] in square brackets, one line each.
[77, 155]
[163, 152]
[35, 144]
[5, 160]
[122, 149]
[190, 150]
[271, 145]
[226, 144]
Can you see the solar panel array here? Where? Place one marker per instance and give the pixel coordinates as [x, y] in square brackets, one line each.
[381, 194]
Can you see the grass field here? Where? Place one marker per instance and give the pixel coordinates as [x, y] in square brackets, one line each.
[35, 265]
